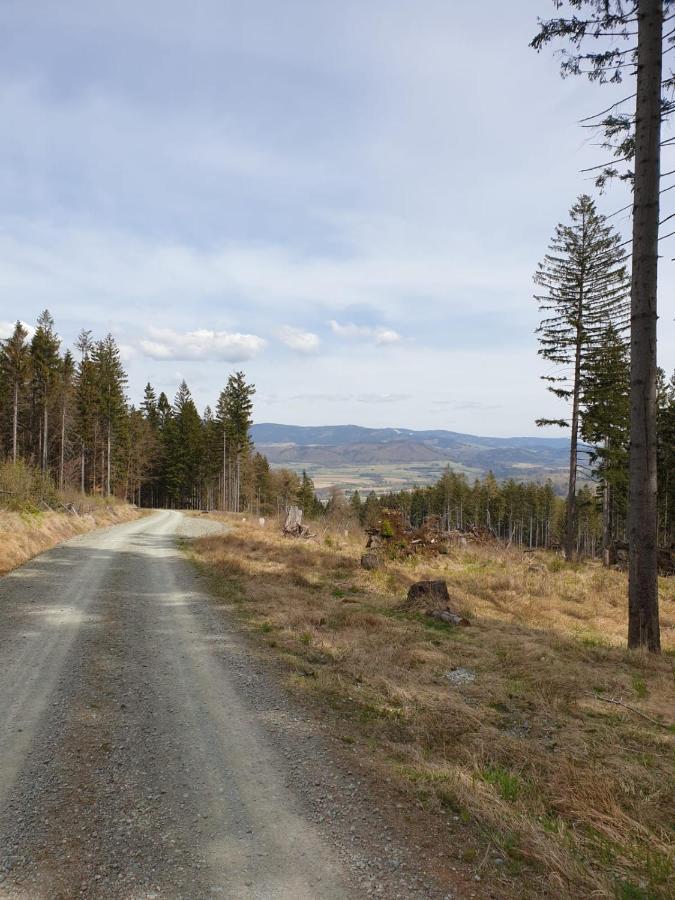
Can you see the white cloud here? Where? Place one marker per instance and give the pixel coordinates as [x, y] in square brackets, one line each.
[7, 329]
[202, 344]
[299, 340]
[127, 352]
[386, 336]
[378, 333]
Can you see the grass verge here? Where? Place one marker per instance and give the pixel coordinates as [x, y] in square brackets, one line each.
[545, 787]
[25, 534]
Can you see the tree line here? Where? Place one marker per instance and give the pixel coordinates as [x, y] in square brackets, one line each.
[522, 514]
[66, 414]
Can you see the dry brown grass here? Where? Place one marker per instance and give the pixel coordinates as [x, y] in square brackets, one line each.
[572, 793]
[25, 534]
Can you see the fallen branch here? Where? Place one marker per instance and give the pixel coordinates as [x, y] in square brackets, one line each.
[630, 708]
[447, 615]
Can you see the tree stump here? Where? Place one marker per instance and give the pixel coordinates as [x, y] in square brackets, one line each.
[370, 561]
[428, 593]
[293, 525]
[434, 595]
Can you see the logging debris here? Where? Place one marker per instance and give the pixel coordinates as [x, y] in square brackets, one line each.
[617, 556]
[392, 538]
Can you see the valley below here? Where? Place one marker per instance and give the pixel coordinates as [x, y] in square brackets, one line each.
[393, 459]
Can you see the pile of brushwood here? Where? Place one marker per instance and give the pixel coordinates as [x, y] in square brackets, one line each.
[392, 538]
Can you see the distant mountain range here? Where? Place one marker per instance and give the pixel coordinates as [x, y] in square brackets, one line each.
[351, 455]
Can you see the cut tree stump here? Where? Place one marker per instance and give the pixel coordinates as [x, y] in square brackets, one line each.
[370, 561]
[434, 595]
[293, 525]
[428, 592]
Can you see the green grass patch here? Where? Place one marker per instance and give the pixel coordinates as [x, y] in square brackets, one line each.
[640, 687]
[508, 785]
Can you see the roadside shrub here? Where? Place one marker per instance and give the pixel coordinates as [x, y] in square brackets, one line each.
[23, 487]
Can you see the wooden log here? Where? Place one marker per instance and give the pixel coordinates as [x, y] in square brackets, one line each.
[447, 615]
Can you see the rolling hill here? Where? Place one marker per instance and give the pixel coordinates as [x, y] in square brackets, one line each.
[391, 458]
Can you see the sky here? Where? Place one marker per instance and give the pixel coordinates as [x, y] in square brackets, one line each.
[346, 200]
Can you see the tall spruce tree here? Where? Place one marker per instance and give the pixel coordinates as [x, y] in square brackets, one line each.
[66, 390]
[584, 290]
[149, 406]
[234, 413]
[306, 498]
[14, 363]
[666, 456]
[111, 381]
[45, 366]
[183, 450]
[86, 407]
[605, 414]
[210, 457]
[628, 43]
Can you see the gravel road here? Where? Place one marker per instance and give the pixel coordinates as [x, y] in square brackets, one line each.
[143, 753]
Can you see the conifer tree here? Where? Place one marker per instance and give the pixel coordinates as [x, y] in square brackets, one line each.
[86, 406]
[306, 498]
[111, 380]
[45, 364]
[605, 408]
[66, 389]
[210, 457]
[234, 412]
[262, 483]
[356, 505]
[666, 456]
[14, 364]
[584, 289]
[635, 141]
[164, 410]
[149, 406]
[183, 449]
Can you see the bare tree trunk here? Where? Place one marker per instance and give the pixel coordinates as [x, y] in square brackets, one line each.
[238, 477]
[63, 446]
[45, 441]
[224, 467]
[108, 462]
[15, 421]
[82, 470]
[606, 523]
[571, 516]
[643, 598]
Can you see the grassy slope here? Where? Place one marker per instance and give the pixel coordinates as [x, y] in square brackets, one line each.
[25, 534]
[545, 789]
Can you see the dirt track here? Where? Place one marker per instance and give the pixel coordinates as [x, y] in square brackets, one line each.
[138, 755]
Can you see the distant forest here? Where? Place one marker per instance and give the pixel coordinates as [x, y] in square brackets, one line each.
[65, 415]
